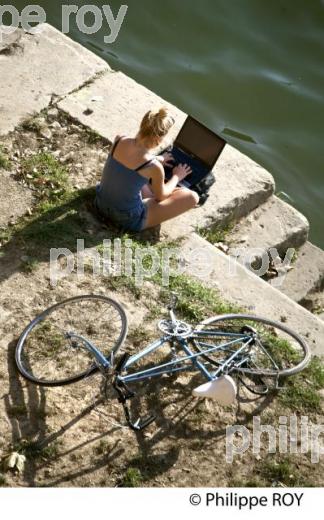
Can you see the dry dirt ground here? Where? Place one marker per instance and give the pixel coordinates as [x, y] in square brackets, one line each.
[69, 436]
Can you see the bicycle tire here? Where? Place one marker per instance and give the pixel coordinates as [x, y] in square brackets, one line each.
[306, 354]
[23, 355]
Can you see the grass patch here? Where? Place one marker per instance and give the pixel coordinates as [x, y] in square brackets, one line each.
[5, 234]
[271, 472]
[302, 391]
[34, 450]
[28, 265]
[195, 300]
[155, 312]
[215, 233]
[133, 478]
[117, 283]
[46, 176]
[280, 349]
[102, 447]
[54, 223]
[282, 471]
[31, 124]
[93, 137]
[294, 257]
[138, 336]
[4, 161]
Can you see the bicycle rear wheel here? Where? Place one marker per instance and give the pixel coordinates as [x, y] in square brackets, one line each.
[46, 355]
[272, 349]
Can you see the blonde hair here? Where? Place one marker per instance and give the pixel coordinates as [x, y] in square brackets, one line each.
[156, 124]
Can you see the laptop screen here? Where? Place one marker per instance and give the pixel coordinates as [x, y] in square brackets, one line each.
[197, 140]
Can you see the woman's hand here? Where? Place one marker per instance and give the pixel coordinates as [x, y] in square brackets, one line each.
[166, 159]
[181, 171]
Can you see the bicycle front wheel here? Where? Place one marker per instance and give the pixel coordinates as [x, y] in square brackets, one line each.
[271, 348]
[48, 352]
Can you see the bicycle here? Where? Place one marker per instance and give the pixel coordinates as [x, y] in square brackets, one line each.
[81, 335]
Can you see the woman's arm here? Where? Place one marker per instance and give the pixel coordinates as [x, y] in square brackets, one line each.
[162, 190]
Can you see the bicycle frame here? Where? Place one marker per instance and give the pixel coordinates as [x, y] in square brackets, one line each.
[173, 366]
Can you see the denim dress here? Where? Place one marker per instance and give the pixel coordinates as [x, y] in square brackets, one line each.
[118, 196]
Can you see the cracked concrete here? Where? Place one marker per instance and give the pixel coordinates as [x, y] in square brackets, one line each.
[25, 67]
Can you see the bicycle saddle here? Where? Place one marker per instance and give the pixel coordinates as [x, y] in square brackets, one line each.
[223, 390]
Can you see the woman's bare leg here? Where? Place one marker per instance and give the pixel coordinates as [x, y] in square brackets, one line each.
[179, 202]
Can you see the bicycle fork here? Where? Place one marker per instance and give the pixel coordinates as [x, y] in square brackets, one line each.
[124, 394]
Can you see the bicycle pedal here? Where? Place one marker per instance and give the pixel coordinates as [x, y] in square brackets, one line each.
[141, 424]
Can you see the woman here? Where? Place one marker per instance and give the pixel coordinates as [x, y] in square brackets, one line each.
[133, 192]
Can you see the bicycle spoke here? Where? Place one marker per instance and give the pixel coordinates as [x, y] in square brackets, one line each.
[275, 349]
[48, 354]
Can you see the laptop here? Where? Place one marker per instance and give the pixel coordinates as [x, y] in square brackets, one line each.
[199, 147]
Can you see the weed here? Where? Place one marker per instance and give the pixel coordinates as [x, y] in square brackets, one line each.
[93, 137]
[215, 233]
[282, 471]
[155, 312]
[139, 336]
[133, 478]
[34, 450]
[46, 175]
[5, 234]
[102, 447]
[117, 283]
[4, 161]
[52, 224]
[31, 124]
[294, 257]
[301, 391]
[252, 482]
[29, 265]
[195, 300]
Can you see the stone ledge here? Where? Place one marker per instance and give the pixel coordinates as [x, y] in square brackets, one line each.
[39, 67]
[306, 276]
[274, 224]
[241, 287]
[115, 104]
[315, 303]
[241, 186]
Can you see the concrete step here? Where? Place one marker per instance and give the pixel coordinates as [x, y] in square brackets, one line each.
[40, 66]
[306, 275]
[241, 186]
[120, 103]
[314, 302]
[274, 224]
[240, 286]
[114, 104]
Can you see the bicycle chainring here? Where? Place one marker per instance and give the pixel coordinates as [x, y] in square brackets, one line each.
[177, 329]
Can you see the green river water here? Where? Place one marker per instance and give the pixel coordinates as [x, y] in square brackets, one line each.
[252, 70]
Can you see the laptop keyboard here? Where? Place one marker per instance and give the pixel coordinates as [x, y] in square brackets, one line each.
[199, 170]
